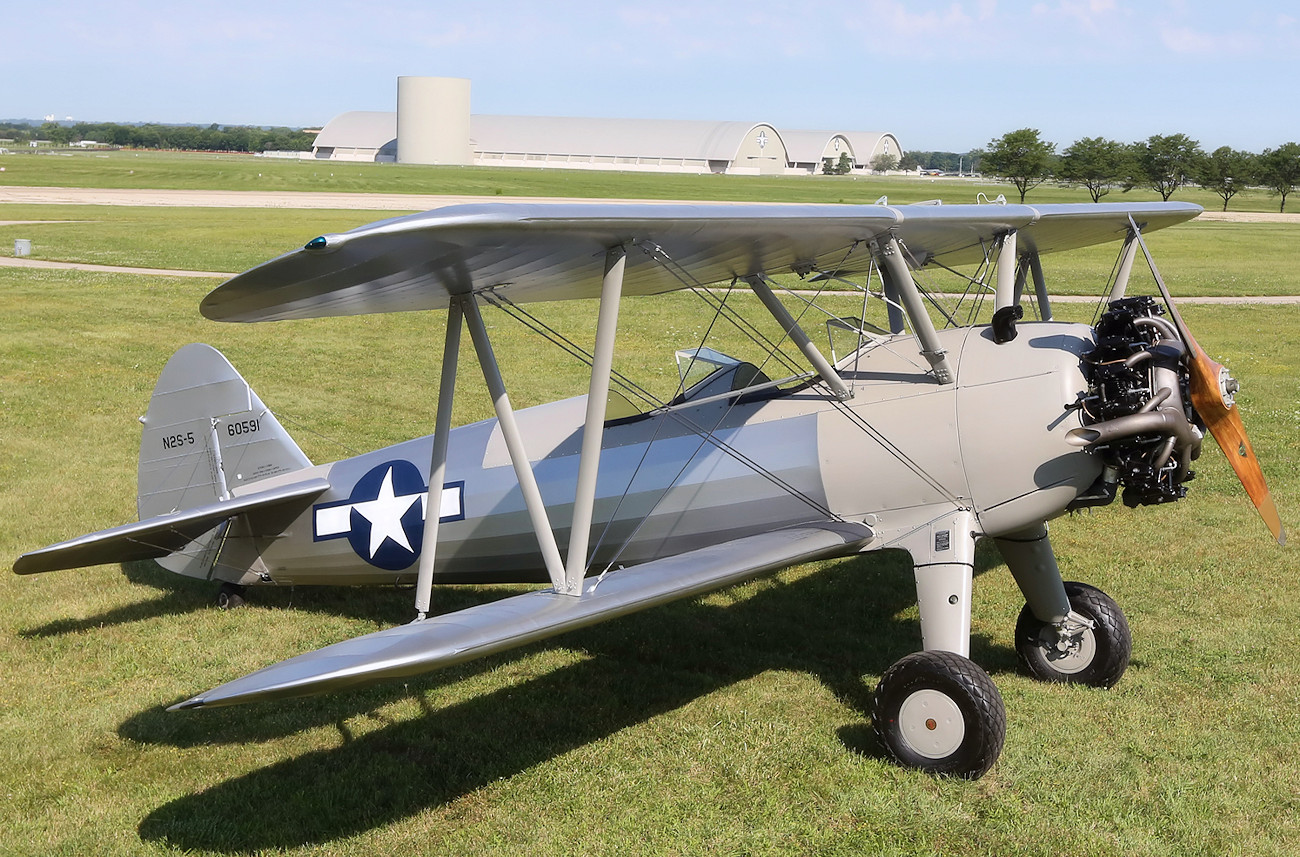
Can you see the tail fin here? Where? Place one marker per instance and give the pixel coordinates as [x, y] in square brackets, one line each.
[206, 434]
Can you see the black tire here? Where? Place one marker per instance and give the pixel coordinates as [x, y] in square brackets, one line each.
[941, 713]
[231, 596]
[1096, 658]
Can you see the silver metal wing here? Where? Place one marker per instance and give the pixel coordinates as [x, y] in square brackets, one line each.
[453, 638]
[555, 251]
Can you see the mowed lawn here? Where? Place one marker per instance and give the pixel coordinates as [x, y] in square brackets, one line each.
[736, 723]
[175, 171]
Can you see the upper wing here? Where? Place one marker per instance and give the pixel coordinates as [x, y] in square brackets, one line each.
[499, 625]
[555, 251]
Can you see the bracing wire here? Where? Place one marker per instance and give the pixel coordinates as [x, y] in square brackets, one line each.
[707, 435]
[1103, 298]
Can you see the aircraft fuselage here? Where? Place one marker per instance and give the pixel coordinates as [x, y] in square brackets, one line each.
[901, 452]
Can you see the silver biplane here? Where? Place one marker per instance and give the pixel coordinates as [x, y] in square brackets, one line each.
[917, 437]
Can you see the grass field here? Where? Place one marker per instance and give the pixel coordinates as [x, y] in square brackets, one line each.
[234, 239]
[731, 724]
[245, 172]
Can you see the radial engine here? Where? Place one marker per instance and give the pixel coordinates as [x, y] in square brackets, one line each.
[1137, 411]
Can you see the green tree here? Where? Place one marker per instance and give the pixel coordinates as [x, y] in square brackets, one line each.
[1097, 164]
[1164, 163]
[884, 162]
[1021, 157]
[1225, 171]
[842, 167]
[1279, 169]
[948, 162]
[57, 134]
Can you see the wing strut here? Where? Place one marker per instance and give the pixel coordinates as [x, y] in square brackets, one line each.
[1129, 253]
[1040, 285]
[602, 365]
[796, 333]
[515, 445]
[1005, 295]
[566, 579]
[438, 461]
[899, 279]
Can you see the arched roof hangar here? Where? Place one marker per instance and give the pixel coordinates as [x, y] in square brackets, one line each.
[621, 144]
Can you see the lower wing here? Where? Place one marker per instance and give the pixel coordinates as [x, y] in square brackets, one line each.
[453, 638]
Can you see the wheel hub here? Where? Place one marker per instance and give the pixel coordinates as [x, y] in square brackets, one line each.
[1071, 653]
[931, 724]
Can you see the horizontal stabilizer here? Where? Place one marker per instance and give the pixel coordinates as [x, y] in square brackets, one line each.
[162, 534]
[453, 638]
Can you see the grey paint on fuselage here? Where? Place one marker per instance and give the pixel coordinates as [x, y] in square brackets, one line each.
[926, 450]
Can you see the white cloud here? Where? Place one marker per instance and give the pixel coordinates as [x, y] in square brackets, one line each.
[1216, 45]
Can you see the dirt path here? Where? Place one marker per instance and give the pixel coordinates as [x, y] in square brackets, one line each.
[383, 202]
[41, 264]
[1250, 216]
[370, 201]
[253, 198]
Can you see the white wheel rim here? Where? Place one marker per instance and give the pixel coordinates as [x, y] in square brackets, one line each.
[1077, 657]
[931, 724]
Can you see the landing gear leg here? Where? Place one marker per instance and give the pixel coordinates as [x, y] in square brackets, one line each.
[1067, 632]
[1096, 655]
[231, 596]
[936, 710]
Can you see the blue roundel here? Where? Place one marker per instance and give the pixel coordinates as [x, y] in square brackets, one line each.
[387, 516]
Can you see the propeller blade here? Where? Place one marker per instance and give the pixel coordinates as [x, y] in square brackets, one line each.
[1224, 422]
[1212, 399]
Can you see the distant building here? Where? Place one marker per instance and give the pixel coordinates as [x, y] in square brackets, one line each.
[433, 120]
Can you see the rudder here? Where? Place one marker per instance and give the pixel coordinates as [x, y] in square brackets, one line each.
[206, 434]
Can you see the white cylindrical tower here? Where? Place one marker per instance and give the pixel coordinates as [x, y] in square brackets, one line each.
[433, 120]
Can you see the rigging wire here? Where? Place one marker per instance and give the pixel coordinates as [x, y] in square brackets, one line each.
[742, 324]
[1104, 298]
[301, 427]
[707, 435]
[871, 431]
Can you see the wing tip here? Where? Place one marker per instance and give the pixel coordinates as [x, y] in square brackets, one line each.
[189, 704]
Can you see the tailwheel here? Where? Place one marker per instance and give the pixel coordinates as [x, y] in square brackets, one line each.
[1091, 648]
[939, 712]
[231, 596]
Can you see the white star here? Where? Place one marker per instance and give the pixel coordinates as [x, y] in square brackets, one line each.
[385, 515]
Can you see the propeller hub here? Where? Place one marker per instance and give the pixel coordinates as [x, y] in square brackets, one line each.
[1228, 387]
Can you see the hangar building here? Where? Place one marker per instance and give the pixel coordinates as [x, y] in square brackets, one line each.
[433, 125]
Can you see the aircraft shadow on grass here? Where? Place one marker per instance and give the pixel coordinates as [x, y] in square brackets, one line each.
[838, 625]
[181, 595]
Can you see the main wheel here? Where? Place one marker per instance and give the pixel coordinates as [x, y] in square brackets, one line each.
[939, 712]
[231, 596]
[1096, 657]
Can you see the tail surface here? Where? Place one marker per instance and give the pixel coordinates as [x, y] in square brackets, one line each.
[206, 434]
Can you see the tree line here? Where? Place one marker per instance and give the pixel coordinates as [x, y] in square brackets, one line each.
[1163, 163]
[195, 138]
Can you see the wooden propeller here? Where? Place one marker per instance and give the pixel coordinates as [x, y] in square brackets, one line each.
[1211, 391]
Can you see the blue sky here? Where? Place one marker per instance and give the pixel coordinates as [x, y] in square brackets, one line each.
[941, 75]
